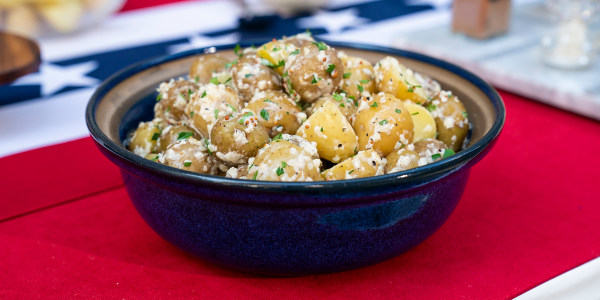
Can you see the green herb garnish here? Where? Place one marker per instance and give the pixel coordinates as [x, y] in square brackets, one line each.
[436, 156]
[214, 80]
[347, 75]
[360, 87]
[383, 122]
[254, 176]
[155, 136]
[374, 104]
[296, 52]
[280, 170]
[398, 111]
[414, 114]
[320, 45]
[232, 108]
[206, 144]
[330, 68]
[264, 114]
[187, 163]
[237, 51]
[184, 135]
[337, 97]
[448, 152]
[203, 94]
[216, 114]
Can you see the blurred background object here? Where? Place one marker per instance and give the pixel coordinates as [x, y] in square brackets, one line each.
[37, 18]
[18, 56]
[480, 18]
[570, 45]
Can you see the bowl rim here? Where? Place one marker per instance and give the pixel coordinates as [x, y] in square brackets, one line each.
[411, 177]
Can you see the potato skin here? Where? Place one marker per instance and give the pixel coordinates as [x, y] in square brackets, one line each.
[363, 164]
[170, 135]
[307, 71]
[451, 119]
[401, 160]
[238, 138]
[394, 78]
[189, 155]
[358, 78]
[281, 114]
[250, 76]
[382, 123]
[332, 133]
[173, 97]
[145, 137]
[208, 104]
[430, 149]
[281, 160]
[203, 67]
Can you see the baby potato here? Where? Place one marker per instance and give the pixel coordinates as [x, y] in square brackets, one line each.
[451, 119]
[363, 164]
[431, 150]
[424, 124]
[238, 138]
[173, 97]
[205, 65]
[173, 134]
[208, 104]
[382, 123]
[278, 112]
[394, 78]
[400, 160]
[189, 155]
[282, 160]
[358, 78]
[313, 71]
[251, 76]
[430, 86]
[345, 104]
[330, 129]
[145, 137]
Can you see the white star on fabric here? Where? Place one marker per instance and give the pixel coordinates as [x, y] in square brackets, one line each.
[333, 21]
[200, 41]
[53, 78]
[436, 4]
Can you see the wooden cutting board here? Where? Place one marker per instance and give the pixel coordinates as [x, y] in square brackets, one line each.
[18, 56]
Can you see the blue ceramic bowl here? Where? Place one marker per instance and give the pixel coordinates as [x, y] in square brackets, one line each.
[295, 228]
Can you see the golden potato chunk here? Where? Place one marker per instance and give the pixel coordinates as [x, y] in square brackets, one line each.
[345, 104]
[282, 160]
[363, 164]
[424, 124]
[277, 112]
[394, 78]
[382, 123]
[330, 129]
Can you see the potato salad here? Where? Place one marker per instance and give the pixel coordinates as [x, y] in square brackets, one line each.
[296, 109]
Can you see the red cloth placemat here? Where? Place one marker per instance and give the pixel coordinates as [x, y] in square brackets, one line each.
[529, 213]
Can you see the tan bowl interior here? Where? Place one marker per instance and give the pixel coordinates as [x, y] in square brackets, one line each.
[122, 97]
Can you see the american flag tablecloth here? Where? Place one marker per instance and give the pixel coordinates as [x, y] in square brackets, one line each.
[530, 211]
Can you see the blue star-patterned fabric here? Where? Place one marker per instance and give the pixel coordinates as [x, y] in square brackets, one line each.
[57, 77]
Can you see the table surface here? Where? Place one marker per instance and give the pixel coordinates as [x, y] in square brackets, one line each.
[529, 212]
